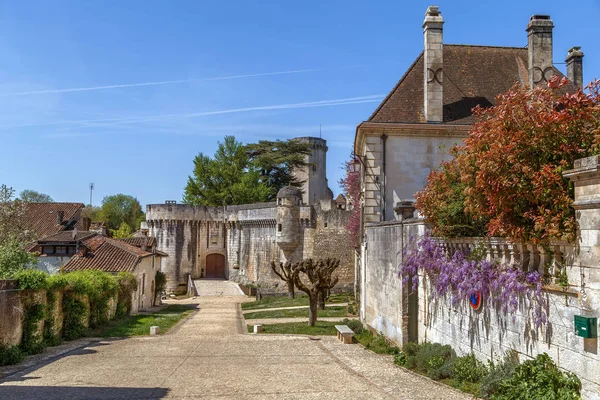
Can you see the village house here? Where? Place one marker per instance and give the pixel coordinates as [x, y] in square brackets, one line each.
[47, 219]
[429, 109]
[137, 255]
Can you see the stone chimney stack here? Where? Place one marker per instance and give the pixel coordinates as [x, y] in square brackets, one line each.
[575, 66]
[539, 46]
[434, 62]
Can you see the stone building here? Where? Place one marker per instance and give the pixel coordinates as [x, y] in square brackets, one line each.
[429, 109]
[239, 242]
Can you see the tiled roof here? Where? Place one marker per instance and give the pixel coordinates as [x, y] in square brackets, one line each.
[106, 254]
[67, 236]
[41, 217]
[149, 241]
[341, 199]
[473, 75]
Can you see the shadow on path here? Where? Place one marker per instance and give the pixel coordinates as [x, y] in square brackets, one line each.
[79, 392]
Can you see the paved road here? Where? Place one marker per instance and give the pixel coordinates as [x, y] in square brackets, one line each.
[210, 357]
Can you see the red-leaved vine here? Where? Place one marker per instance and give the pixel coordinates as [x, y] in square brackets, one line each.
[350, 184]
[459, 277]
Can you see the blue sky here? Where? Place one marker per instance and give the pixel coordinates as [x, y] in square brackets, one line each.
[144, 102]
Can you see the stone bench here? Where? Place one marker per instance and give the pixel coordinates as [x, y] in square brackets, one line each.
[344, 334]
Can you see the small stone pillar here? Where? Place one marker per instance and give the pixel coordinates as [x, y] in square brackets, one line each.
[258, 328]
[154, 330]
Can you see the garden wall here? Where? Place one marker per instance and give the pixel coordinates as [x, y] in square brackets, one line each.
[487, 332]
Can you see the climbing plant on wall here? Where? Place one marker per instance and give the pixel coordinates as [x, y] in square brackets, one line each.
[350, 183]
[459, 277]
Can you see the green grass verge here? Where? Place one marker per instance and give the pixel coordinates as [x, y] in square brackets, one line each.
[376, 343]
[136, 325]
[299, 300]
[338, 311]
[301, 328]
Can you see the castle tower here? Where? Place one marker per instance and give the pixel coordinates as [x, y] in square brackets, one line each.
[314, 175]
[289, 200]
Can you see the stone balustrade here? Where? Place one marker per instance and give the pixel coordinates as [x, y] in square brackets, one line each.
[547, 259]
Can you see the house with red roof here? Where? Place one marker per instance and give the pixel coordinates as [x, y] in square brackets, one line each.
[430, 108]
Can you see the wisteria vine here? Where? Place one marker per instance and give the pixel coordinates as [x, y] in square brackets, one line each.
[461, 277]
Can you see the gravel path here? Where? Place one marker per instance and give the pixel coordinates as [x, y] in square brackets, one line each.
[210, 356]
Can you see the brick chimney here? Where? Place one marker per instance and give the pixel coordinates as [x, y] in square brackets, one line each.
[539, 46]
[575, 66]
[59, 217]
[434, 62]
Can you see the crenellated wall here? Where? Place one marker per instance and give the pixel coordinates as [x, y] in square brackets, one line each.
[247, 237]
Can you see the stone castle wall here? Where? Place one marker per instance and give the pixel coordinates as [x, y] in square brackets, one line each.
[246, 237]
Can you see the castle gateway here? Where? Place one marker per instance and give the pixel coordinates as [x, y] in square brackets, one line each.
[239, 242]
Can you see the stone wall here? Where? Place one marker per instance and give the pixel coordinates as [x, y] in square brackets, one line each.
[387, 307]
[247, 237]
[11, 328]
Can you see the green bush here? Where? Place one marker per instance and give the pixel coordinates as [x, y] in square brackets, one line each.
[498, 373]
[433, 359]
[469, 369]
[127, 285]
[32, 279]
[539, 378]
[10, 355]
[353, 324]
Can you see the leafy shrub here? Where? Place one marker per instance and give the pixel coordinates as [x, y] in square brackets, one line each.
[433, 359]
[353, 324]
[32, 279]
[10, 355]
[498, 373]
[32, 342]
[469, 369]
[127, 285]
[539, 378]
[14, 258]
[515, 155]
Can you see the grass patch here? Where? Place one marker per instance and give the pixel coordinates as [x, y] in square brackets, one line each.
[339, 311]
[137, 325]
[467, 387]
[299, 300]
[321, 328]
[376, 343]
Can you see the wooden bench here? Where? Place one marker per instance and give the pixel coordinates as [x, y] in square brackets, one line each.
[344, 334]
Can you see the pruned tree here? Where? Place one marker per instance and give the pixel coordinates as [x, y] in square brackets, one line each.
[285, 273]
[329, 280]
[318, 277]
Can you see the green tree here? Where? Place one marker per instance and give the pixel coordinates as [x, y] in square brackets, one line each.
[226, 179]
[14, 258]
[123, 232]
[13, 218]
[120, 208]
[276, 161]
[32, 196]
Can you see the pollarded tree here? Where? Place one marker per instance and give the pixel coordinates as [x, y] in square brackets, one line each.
[317, 278]
[285, 272]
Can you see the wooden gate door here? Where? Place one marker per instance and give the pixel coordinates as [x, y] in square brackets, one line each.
[215, 266]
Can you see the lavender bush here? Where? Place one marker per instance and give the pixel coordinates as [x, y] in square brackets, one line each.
[460, 277]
